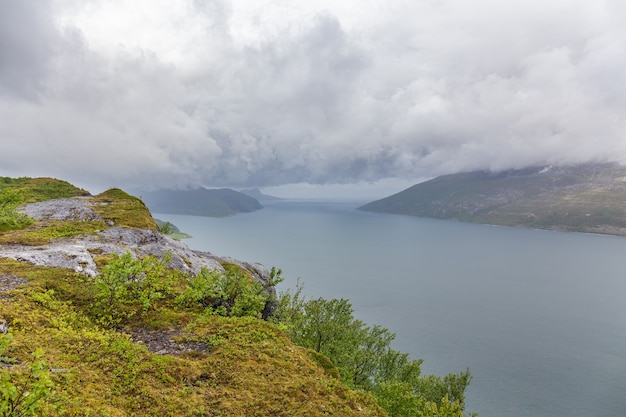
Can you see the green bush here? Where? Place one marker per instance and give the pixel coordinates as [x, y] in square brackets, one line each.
[227, 293]
[128, 286]
[10, 217]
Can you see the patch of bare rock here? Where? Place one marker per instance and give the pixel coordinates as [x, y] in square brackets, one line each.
[9, 282]
[74, 208]
[163, 342]
[79, 253]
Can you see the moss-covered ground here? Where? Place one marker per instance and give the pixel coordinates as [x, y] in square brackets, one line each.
[251, 368]
[115, 207]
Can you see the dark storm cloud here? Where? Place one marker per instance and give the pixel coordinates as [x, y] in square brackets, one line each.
[240, 94]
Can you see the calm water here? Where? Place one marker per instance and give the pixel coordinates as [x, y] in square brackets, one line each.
[539, 317]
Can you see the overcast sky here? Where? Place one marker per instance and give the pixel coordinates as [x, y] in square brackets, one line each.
[269, 93]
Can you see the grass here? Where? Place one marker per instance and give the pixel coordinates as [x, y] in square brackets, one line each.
[41, 233]
[252, 369]
[124, 209]
[41, 189]
[116, 207]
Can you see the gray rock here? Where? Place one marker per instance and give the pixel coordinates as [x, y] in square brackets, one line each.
[60, 254]
[75, 208]
[9, 282]
[77, 253]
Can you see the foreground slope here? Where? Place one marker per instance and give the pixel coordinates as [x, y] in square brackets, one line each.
[585, 198]
[160, 360]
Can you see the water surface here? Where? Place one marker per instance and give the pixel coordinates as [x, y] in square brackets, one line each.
[539, 317]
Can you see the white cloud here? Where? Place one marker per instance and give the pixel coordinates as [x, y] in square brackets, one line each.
[276, 92]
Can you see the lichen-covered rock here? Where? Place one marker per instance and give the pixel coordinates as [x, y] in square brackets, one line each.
[75, 208]
[79, 252]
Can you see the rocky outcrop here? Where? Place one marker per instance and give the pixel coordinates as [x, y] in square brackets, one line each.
[79, 253]
[76, 208]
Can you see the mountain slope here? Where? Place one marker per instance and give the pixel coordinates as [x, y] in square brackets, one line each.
[583, 198]
[163, 358]
[200, 202]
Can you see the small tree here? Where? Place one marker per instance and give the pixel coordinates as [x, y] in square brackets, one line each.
[166, 228]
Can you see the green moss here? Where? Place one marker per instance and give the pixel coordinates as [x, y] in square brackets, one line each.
[252, 368]
[234, 268]
[41, 233]
[42, 189]
[324, 362]
[124, 209]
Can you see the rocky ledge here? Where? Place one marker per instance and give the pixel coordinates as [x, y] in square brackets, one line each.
[79, 252]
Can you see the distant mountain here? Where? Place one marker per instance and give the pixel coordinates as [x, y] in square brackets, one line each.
[256, 193]
[583, 198]
[200, 202]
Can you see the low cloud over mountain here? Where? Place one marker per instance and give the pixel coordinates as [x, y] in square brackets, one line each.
[257, 94]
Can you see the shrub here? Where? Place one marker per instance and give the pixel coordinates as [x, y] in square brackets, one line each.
[227, 293]
[128, 286]
[10, 217]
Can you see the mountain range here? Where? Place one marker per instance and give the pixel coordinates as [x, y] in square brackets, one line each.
[200, 202]
[582, 198]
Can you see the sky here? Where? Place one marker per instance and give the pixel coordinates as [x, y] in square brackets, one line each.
[335, 97]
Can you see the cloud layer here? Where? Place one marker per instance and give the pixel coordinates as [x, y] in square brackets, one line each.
[265, 93]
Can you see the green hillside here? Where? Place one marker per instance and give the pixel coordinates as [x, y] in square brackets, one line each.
[200, 202]
[103, 315]
[584, 198]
